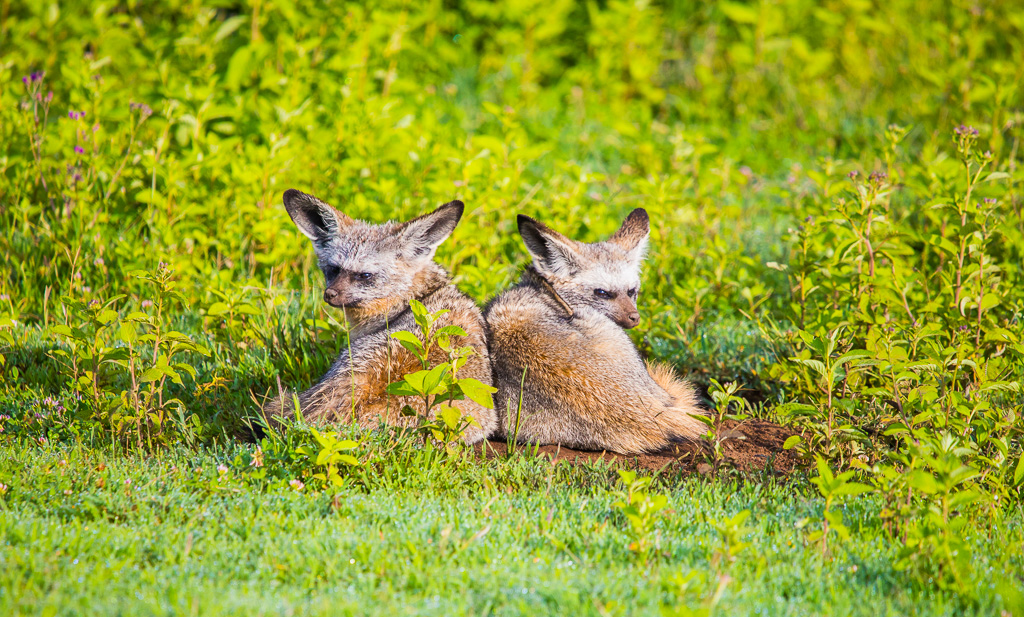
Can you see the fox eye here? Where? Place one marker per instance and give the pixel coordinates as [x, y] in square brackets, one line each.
[632, 292]
[364, 276]
[600, 293]
[331, 272]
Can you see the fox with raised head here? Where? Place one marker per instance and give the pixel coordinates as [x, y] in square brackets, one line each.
[585, 384]
[372, 272]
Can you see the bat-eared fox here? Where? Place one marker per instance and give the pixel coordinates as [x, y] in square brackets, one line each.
[585, 384]
[372, 272]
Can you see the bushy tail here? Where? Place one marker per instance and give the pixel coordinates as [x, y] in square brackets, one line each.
[678, 420]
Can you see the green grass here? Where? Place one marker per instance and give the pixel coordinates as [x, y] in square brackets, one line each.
[466, 537]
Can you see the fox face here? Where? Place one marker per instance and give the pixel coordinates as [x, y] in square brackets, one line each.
[603, 277]
[368, 268]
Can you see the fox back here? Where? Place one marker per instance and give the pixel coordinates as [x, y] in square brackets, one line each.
[565, 369]
[372, 272]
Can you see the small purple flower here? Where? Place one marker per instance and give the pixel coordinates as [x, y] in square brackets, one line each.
[990, 201]
[24, 80]
[878, 177]
[147, 303]
[79, 150]
[37, 76]
[144, 109]
[853, 175]
[49, 97]
[94, 303]
[98, 261]
[964, 129]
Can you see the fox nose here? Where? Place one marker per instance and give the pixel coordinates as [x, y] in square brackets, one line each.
[634, 319]
[330, 295]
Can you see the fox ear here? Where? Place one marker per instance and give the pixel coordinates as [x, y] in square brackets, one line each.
[633, 234]
[316, 219]
[425, 233]
[552, 252]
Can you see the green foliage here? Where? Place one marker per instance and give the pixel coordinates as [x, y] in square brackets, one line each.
[120, 374]
[439, 385]
[642, 508]
[727, 405]
[833, 488]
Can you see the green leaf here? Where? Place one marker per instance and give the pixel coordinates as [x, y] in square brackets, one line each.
[852, 488]
[853, 354]
[450, 416]
[450, 331]
[433, 382]
[229, 26]
[106, 316]
[128, 332]
[323, 456]
[816, 365]
[348, 459]
[409, 340]
[188, 368]
[217, 309]
[61, 330]
[478, 392]
[238, 67]
[922, 481]
[792, 442]
[415, 381]
[402, 388]
[418, 310]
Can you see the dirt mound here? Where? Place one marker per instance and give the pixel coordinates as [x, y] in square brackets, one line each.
[752, 445]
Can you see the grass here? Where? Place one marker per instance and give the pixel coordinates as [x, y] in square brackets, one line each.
[91, 531]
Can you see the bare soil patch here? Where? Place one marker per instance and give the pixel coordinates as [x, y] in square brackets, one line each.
[753, 445]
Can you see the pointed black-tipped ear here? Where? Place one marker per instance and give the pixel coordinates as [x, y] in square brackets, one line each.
[552, 252]
[633, 234]
[425, 233]
[316, 219]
